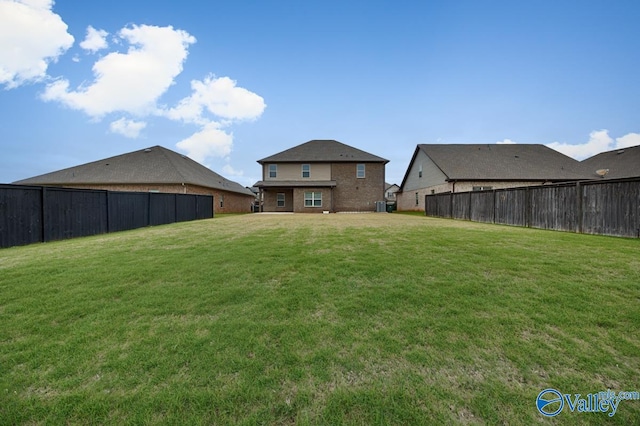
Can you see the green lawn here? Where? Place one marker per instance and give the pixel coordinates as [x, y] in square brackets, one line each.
[317, 319]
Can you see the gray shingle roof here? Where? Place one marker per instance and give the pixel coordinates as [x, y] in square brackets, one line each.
[621, 163]
[503, 162]
[325, 151]
[155, 165]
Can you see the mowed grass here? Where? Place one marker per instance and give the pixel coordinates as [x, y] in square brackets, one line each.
[317, 319]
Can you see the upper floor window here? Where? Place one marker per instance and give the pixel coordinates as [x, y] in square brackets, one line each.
[360, 171]
[273, 170]
[306, 170]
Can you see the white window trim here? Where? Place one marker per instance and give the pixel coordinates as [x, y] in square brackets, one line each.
[308, 171]
[275, 170]
[284, 199]
[364, 171]
[315, 196]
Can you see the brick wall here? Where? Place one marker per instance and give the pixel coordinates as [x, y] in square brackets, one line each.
[270, 201]
[354, 194]
[298, 196]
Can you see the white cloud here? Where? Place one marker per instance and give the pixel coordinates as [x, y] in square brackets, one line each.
[133, 81]
[599, 141]
[227, 169]
[31, 36]
[128, 128]
[95, 40]
[211, 141]
[630, 139]
[219, 97]
[506, 142]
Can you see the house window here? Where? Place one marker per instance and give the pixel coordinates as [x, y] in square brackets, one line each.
[417, 199]
[420, 171]
[306, 170]
[389, 194]
[273, 170]
[482, 188]
[222, 201]
[280, 199]
[360, 171]
[313, 199]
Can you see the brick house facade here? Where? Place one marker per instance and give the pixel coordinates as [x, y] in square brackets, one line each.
[322, 175]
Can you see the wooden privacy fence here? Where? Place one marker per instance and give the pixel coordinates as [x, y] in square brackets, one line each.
[605, 207]
[31, 214]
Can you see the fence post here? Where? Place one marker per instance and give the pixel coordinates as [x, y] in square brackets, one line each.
[42, 213]
[451, 206]
[579, 207]
[149, 208]
[108, 221]
[494, 206]
[527, 207]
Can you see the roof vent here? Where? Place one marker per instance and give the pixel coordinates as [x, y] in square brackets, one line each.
[147, 150]
[602, 172]
[620, 152]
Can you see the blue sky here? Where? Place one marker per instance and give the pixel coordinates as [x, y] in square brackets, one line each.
[231, 82]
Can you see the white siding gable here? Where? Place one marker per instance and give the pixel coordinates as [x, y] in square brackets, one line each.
[431, 174]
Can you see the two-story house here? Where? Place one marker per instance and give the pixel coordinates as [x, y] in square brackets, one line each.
[322, 175]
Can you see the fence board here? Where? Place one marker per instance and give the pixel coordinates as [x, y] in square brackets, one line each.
[510, 208]
[30, 214]
[611, 209]
[481, 206]
[460, 205]
[443, 206]
[606, 207]
[71, 213]
[162, 208]
[554, 207]
[128, 210]
[204, 207]
[186, 206]
[20, 215]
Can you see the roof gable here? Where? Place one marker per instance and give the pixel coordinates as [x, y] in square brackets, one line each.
[155, 165]
[323, 151]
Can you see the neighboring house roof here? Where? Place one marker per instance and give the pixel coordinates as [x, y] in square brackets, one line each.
[155, 165]
[323, 151]
[389, 185]
[619, 163]
[509, 162]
